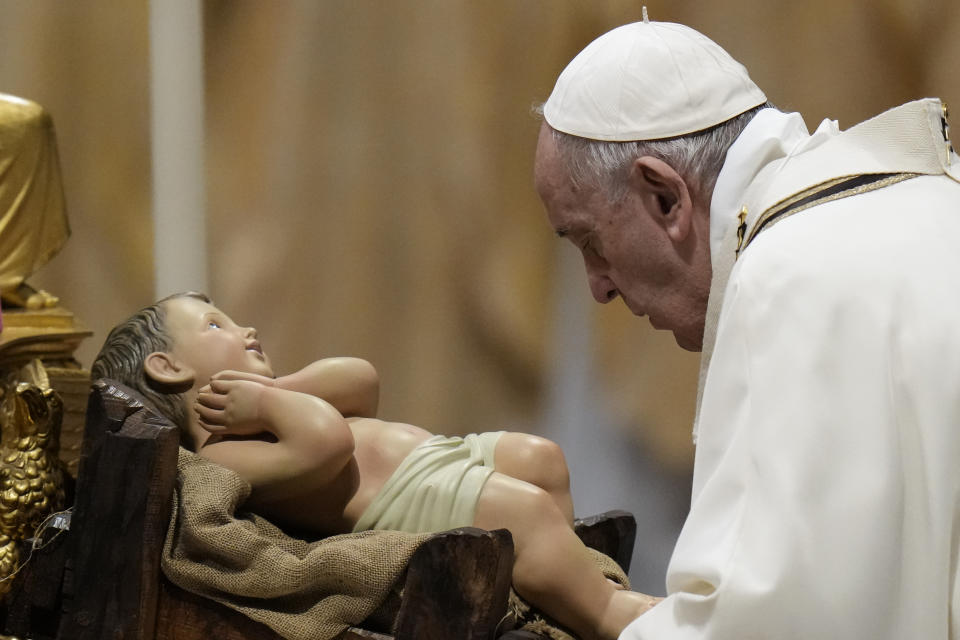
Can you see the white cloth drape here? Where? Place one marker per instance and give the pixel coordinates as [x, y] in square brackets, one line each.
[826, 481]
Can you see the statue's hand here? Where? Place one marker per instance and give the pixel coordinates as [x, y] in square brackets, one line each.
[243, 375]
[230, 407]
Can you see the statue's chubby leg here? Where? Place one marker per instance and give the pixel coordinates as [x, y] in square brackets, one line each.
[538, 461]
[552, 569]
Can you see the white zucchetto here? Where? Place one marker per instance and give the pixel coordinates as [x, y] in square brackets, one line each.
[647, 81]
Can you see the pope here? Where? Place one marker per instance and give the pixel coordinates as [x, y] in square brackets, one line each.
[817, 273]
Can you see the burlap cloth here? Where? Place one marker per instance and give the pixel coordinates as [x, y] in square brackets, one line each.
[302, 590]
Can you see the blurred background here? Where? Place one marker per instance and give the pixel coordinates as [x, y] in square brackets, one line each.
[367, 175]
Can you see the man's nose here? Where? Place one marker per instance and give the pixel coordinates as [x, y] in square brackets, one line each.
[602, 288]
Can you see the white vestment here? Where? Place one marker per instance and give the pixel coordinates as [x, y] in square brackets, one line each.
[826, 492]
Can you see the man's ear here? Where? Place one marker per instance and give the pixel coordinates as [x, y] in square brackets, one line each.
[667, 195]
[165, 370]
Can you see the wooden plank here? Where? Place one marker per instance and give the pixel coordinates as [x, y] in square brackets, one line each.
[457, 586]
[32, 608]
[612, 532]
[127, 470]
[182, 615]
[354, 633]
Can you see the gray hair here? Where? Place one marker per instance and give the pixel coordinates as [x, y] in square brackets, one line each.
[126, 349]
[697, 157]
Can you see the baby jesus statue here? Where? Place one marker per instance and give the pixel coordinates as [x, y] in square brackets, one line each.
[319, 460]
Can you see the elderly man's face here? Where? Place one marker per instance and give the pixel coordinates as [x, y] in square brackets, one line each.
[627, 250]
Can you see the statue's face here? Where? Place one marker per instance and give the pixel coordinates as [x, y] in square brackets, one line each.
[208, 341]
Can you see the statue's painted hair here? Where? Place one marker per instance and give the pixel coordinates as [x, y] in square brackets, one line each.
[126, 349]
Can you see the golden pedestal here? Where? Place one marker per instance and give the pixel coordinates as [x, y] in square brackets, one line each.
[43, 396]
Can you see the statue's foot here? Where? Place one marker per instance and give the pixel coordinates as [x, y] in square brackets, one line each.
[26, 297]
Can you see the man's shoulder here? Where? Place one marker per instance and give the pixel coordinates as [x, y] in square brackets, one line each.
[909, 139]
[874, 239]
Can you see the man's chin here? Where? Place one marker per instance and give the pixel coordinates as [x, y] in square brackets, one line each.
[689, 344]
[687, 337]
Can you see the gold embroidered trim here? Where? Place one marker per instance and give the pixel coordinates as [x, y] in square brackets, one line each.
[742, 228]
[945, 123]
[783, 210]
